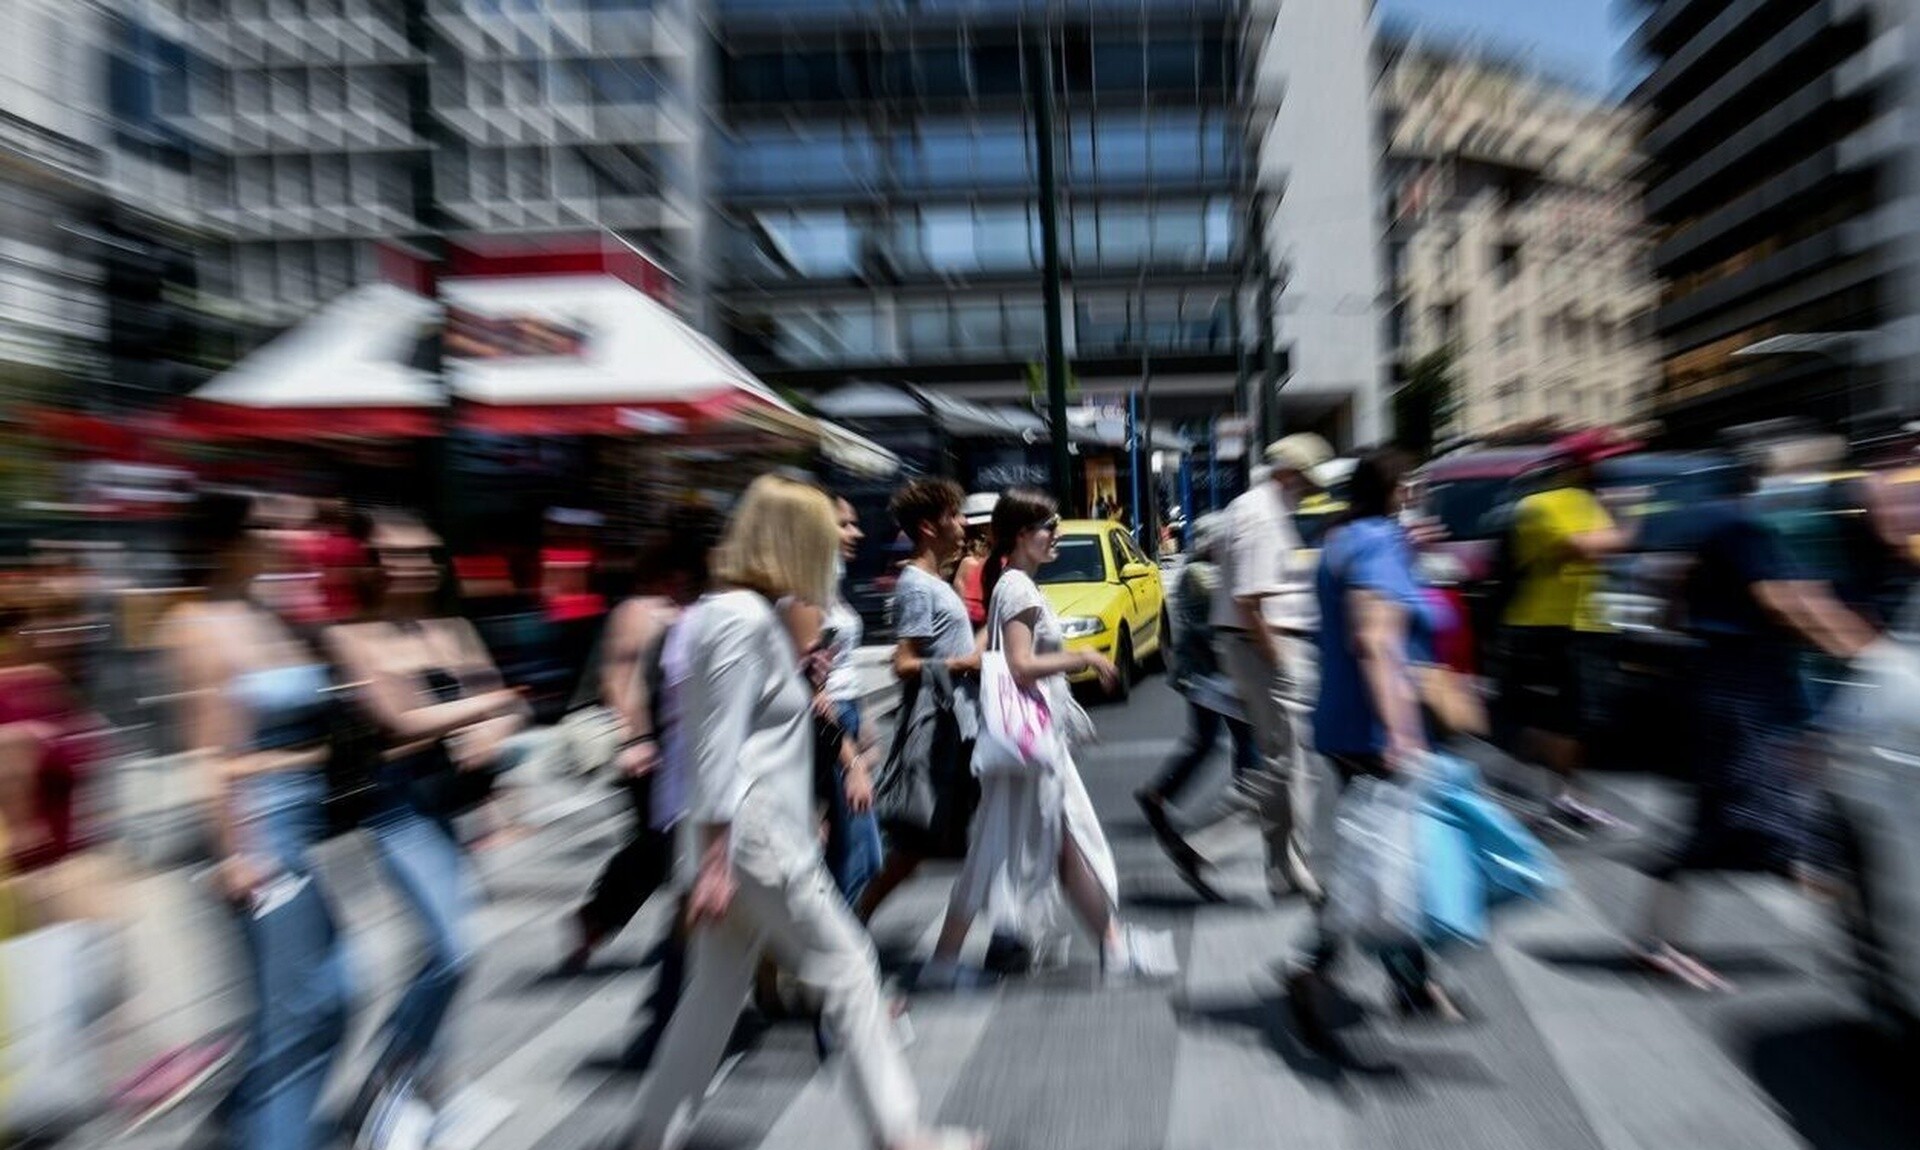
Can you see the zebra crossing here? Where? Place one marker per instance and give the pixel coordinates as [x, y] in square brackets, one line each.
[1567, 1047]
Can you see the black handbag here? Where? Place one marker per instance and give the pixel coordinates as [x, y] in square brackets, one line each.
[353, 766]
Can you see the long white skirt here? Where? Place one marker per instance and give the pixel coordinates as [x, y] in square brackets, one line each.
[1012, 872]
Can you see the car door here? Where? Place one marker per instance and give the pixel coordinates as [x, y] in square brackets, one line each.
[1143, 608]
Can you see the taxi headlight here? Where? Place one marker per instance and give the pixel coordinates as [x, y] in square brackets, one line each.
[1081, 626]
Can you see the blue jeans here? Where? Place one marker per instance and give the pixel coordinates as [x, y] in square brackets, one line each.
[854, 850]
[298, 968]
[428, 868]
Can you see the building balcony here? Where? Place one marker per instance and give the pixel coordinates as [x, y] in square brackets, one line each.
[308, 221]
[1706, 170]
[572, 33]
[803, 15]
[532, 125]
[262, 133]
[1741, 85]
[1749, 215]
[255, 42]
[538, 213]
[1684, 60]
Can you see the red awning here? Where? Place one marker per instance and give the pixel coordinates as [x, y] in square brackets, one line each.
[226, 421]
[675, 417]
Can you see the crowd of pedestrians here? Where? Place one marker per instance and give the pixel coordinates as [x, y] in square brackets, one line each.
[766, 806]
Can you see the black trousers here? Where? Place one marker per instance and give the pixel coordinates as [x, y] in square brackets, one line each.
[1203, 731]
[638, 869]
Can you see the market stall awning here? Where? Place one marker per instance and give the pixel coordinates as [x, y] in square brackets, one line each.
[590, 355]
[587, 354]
[347, 370]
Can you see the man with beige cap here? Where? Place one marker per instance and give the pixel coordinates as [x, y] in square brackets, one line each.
[1265, 599]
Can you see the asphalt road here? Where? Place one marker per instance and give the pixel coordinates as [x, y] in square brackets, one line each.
[1568, 1049]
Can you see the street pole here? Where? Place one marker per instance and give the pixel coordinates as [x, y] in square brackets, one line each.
[1040, 67]
[1270, 423]
[1147, 523]
[431, 241]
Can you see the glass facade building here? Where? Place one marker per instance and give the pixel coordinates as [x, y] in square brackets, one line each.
[876, 183]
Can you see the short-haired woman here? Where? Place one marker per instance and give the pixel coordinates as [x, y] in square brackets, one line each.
[1035, 832]
[760, 881]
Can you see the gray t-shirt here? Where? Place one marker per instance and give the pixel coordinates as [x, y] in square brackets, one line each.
[930, 610]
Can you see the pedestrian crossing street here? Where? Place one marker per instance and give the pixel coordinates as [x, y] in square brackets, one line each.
[1567, 1048]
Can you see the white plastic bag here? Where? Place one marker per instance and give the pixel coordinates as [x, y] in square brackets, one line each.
[1018, 731]
[1373, 893]
[58, 984]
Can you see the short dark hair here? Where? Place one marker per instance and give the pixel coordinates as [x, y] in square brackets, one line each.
[1376, 477]
[681, 548]
[218, 519]
[924, 501]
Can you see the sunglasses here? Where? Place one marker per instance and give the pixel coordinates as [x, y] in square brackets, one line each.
[1051, 526]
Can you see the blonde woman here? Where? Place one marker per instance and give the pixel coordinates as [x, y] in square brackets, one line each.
[760, 881]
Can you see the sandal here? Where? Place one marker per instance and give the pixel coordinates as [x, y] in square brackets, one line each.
[1673, 965]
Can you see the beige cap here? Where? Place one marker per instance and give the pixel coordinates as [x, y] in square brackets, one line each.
[1303, 452]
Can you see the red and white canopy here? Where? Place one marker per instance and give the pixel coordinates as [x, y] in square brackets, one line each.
[587, 354]
[584, 353]
[347, 370]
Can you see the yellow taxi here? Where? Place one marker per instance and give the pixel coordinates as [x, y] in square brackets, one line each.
[1108, 595]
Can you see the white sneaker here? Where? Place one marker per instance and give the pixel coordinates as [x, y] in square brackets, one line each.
[400, 1121]
[469, 1119]
[1139, 955]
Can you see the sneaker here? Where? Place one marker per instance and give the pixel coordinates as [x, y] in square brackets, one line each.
[1187, 862]
[468, 1120]
[1138, 955]
[1294, 877]
[399, 1120]
[163, 1084]
[1583, 817]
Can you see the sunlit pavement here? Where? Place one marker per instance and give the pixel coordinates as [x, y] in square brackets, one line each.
[1568, 1047]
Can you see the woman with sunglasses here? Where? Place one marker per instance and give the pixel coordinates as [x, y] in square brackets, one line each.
[1035, 833]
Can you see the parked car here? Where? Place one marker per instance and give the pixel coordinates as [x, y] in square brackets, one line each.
[1109, 597]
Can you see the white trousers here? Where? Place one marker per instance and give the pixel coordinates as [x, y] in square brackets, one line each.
[785, 902]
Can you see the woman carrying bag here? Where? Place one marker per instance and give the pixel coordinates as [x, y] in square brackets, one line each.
[760, 882]
[1035, 833]
[1367, 720]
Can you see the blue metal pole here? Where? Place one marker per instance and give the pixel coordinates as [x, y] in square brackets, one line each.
[1186, 500]
[1133, 453]
[1213, 469]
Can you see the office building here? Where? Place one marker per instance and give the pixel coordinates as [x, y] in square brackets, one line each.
[1516, 243]
[878, 187]
[1781, 164]
[322, 125]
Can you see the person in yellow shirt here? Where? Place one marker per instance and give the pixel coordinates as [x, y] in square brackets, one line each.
[1559, 535]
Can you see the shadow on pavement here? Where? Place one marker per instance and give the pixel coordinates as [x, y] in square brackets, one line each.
[1843, 1086]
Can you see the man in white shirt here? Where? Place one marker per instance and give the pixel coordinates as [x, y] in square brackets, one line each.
[1263, 608]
